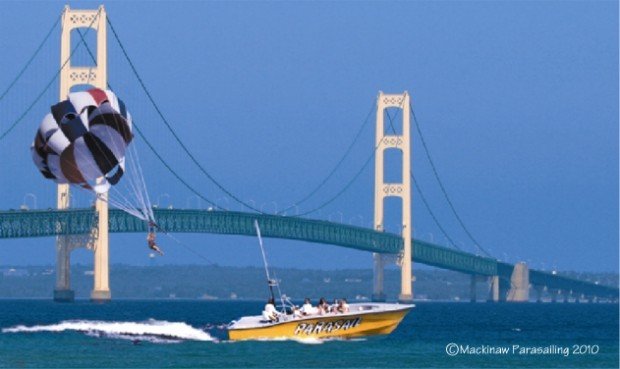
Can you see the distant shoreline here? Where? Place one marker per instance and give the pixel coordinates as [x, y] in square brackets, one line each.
[220, 283]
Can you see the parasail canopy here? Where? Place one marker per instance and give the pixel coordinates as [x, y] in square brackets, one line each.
[83, 140]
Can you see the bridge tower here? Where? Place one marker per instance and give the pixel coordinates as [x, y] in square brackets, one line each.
[72, 76]
[401, 190]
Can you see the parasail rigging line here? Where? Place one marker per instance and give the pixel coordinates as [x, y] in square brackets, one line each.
[188, 248]
[47, 86]
[338, 164]
[172, 131]
[32, 57]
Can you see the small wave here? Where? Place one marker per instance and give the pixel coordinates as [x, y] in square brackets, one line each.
[156, 331]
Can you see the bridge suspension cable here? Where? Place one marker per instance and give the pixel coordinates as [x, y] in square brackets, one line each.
[31, 59]
[346, 187]
[335, 168]
[423, 198]
[47, 86]
[443, 189]
[343, 190]
[172, 131]
[152, 148]
[174, 173]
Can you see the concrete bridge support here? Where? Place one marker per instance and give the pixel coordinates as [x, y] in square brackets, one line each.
[63, 291]
[519, 284]
[493, 289]
[498, 289]
[101, 285]
[71, 76]
[400, 190]
[377, 292]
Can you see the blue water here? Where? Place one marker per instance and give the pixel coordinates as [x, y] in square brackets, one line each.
[88, 335]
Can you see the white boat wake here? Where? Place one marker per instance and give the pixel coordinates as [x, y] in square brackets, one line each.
[156, 331]
[308, 340]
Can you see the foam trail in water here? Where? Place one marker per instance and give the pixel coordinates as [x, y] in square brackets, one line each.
[311, 340]
[170, 331]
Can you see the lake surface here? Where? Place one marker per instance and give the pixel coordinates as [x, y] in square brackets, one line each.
[40, 333]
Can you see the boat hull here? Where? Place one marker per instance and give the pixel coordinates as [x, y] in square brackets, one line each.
[348, 325]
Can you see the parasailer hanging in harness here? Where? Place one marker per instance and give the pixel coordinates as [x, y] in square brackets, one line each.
[150, 238]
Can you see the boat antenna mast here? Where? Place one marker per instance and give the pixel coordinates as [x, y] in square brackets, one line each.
[270, 282]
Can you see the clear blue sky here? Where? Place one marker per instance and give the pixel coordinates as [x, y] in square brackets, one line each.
[518, 102]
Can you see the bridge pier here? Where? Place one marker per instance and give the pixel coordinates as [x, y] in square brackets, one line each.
[498, 289]
[63, 291]
[377, 292]
[493, 289]
[519, 284]
[101, 269]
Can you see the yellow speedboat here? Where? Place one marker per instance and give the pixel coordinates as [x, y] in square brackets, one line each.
[365, 319]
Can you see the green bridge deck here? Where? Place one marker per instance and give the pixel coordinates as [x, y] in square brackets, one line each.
[45, 223]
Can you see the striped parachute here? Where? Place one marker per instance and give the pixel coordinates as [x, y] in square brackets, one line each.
[83, 140]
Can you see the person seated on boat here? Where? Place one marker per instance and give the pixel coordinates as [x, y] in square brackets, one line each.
[307, 308]
[333, 308]
[323, 306]
[343, 307]
[297, 312]
[270, 313]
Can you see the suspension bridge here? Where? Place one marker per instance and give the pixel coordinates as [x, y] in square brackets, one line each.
[89, 227]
